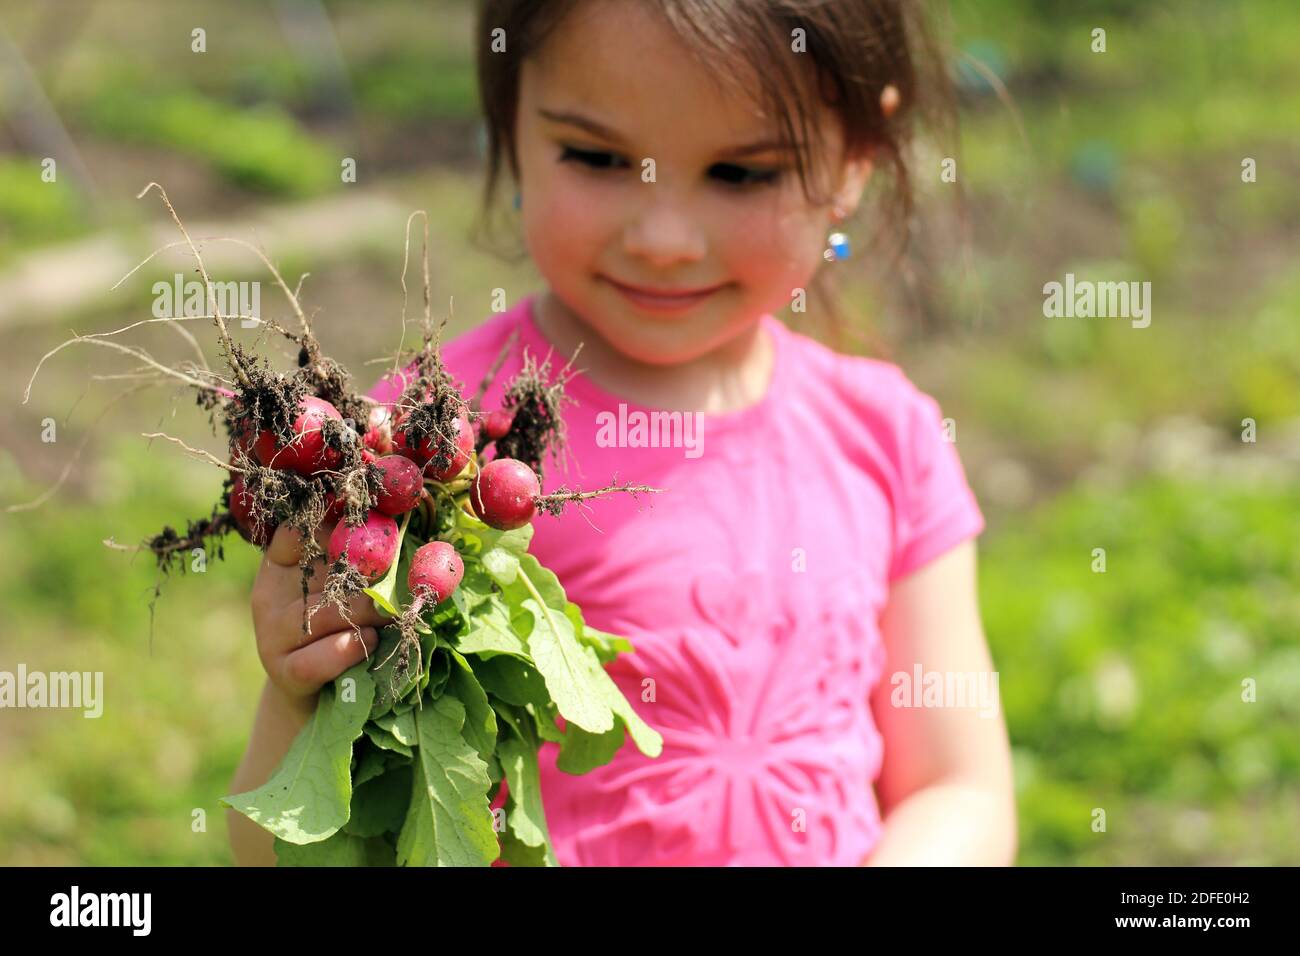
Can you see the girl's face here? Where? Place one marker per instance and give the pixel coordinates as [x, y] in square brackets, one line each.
[613, 89]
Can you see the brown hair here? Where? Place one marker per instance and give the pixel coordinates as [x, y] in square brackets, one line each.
[857, 47]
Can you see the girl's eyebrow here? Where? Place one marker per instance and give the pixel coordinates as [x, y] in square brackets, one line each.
[604, 132]
[582, 122]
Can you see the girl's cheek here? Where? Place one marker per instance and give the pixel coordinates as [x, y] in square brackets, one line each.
[565, 218]
[767, 246]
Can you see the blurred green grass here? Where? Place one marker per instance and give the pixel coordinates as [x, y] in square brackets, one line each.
[176, 710]
[1123, 697]
[31, 214]
[260, 148]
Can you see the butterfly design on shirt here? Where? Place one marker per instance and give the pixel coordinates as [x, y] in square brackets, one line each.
[763, 712]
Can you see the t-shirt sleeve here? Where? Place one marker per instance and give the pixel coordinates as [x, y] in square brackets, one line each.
[936, 509]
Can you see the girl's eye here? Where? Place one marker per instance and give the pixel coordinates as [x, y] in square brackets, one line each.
[596, 160]
[727, 173]
[740, 176]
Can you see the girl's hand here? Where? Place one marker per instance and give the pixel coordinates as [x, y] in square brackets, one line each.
[298, 664]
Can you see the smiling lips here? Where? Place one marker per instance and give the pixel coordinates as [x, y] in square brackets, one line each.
[667, 300]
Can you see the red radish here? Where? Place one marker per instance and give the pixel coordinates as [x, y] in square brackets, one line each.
[464, 451]
[370, 547]
[241, 507]
[422, 453]
[498, 423]
[368, 456]
[504, 494]
[307, 452]
[436, 571]
[400, 486]
[424, 449]
[379, 430]
[334, 508]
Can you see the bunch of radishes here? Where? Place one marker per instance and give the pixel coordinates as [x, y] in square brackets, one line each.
[503, 493]
[484, 653]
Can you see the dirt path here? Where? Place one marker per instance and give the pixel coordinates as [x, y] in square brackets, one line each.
[65, 280]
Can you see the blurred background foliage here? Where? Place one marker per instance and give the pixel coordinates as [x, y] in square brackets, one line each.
[1123, 688]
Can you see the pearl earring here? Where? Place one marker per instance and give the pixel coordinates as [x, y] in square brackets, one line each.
[837, 243]
[518, 199]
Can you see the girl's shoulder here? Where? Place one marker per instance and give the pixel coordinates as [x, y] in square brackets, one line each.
[897, 433]
[865, 391]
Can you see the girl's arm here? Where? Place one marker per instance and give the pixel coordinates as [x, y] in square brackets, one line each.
[945, 787]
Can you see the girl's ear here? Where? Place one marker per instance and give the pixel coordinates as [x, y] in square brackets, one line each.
[854, 180]
[858, 170]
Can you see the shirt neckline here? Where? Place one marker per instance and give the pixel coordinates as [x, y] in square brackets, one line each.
[581, 385]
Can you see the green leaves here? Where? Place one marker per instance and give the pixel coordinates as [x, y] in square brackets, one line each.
[384, 661]
[498, 551]
[307, 799]
[583, 752]
[606, 646]
[404, 773]
[379, 806]
[386, 740]
[449, 822]
[568, 669]
[512, 680]
[585, 694]
[553, 644]
[491, 630]
[400, 729]
[526, 818]
[342, 849]
[480, 720]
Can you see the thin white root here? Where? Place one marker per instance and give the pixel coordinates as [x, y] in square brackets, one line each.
[136, 353]
[197, 452]
[207, 283]
[406, 261]
[293, 296]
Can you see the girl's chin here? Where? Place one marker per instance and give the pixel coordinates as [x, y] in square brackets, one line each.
[656, 343]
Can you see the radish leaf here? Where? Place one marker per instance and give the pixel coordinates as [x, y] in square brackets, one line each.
[342, 849]
[307, 798]
[379, 806]
[480, 722]
[526, 817]
[448, 822]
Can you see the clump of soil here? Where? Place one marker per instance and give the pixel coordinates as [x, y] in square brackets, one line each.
[537, 429]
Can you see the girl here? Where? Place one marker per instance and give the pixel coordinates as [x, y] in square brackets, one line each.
[811, 560]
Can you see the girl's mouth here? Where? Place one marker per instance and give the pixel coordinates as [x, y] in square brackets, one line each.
[668, 301]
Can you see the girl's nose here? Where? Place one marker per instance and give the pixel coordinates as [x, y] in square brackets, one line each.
[664, 234]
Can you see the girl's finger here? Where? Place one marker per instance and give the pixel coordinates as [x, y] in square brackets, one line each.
[327, 619]
[316, 583]
[308, 668]
[285, 548]
[279, 579]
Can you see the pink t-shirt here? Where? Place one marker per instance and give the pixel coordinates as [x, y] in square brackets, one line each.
[751, 589]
